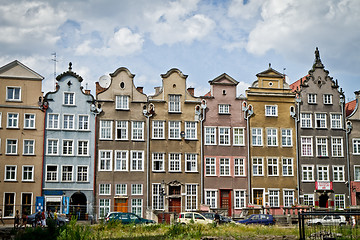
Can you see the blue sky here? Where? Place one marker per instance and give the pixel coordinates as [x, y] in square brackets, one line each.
[201, 38]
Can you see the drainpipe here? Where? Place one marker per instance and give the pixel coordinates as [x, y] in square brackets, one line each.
[248, 112]
[297, 120]
[202, 118]
[148, 115]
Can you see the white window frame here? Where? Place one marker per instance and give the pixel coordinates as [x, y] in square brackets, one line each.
[272, 167]
[328, 99]
[357, 175]
[224, 108]
[122, 130]
[82, 176]
[105, 189]
[320, 120]
[105, 160]
[257, 166]
[224, 136]
[104, 207]
[157, 197]
[158, 129]
[24, 175]
[136, 163]
[29, 123]
[238, 136]
[67, 98]
[122, 102]
[239, 167]
[81, 148]
[224, 166]
[257, 137]
[308, 171]
[174, 129]
[339, 201]
[137, 206]
[271, 110]
[121, 189]
[289, 197]
[0, 120]
[307, 146]
[190, 130]
[52, 147]
[191, 161]
[271, 137]
[356, 146]
[323, 173]
[239, 198]
[311, 98]
[28, 146]
[306, 120]
[191, 198]
[160, 158]
[337, 149]
[211, 197]
[174, 103]
[12, 98]
[67, 150]
[12, 214]
[52, 121]
[286, 137]
[121, 160]
[69, 121]
[83, 122]
[274, 197]
[67, 176]
[14, 119]
[287, 167]
[12, 172]
[210, 135]
[210, 166]
[338, 173]
[136, 189]
[52, 173]
[137, 130]
[11, 147]
[106, 131]
[174, 163]
[308, 199]
[336, 121]
[322, 147]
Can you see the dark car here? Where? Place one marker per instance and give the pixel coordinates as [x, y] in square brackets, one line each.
[222, 219]
[264, 219]
[61, 221]
[127, 218]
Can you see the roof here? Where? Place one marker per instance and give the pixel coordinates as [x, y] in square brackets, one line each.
[16, 69]
[350, 107]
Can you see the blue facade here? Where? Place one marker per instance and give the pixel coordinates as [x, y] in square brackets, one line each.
[68, 183]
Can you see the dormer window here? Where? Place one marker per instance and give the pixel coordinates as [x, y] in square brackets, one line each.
[122, 102]
[174, 103]
[271, 111]
[69, 98]
[224, 108]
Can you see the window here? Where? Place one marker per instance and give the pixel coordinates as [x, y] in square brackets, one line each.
[136, 189]
[121, 160]
[286, 137]
[105, 161]
[137, 161]
[68, 146]
[11, 146]
[256, 136]
[239, 167]
[174, 162]
[273, 167]
[51, 173]
[211, 198]
[323, 173]
[68, 121]
[105, 130]
[10, 173]
[271, 111]
[240, 198]
[29, 146]
[158, 197]
[337, 147]
[338, 173]
[83, 148]
[104, 189]
[52, 146]
[191, 162]
[12, 120]
[272, 137]
[224, 167]
[336, 121]
[210, 136]
[274, 197]
[26, 203]
[0, 119]
[29, 120]
[224, 136]
[82, 173]
[306, 146]
[121, 189]
[224, 108]
[174, 103]
[238, 136]
[137, 130]
[191, 197]
[158, 129]
[321, 147]
[69, 98]
[158, 162]
[356, 146]
[190, 130]
[320, 120]
[307, 173]
[327, 99]
[288, 198]
[174, 129]
[287, 167]
[121, 130]
[122, 102]
[9, 205]
[67, 173]
[357, 173]
[308, 199]
[136, 206]
[104, 207]
[311, 98]
[83, 122]
[257, 167]
[339, 200]
[210, 167]
[306, 120]
[13, 94]
[27, 173]
[53, 121]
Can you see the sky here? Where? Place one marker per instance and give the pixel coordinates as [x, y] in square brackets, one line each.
[201, 38]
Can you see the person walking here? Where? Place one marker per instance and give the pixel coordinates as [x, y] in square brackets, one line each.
[24, 219]
[17, 219]
[1, 218]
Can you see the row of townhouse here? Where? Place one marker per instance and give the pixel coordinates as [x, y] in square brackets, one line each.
[280, 145]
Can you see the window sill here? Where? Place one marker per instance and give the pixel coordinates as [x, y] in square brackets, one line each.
[12, 154]
[119, 139]
[174, 112]
[29, 155]
[191, 171]
[6, 180]
[69, 105]
[10, 100]
[28, 181]
[13, 128]
[224, 113]
[190, 139]
[122, 109]
[29, 128]
[158, 171]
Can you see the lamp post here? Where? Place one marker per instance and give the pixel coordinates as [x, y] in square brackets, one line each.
[162, 195]
[248, 112]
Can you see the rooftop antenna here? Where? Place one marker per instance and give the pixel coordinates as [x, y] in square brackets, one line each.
[55, 61]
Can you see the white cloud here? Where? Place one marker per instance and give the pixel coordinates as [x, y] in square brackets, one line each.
[249, 10]
[241, 87]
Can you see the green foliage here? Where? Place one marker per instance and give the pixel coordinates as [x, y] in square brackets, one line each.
[74, 231]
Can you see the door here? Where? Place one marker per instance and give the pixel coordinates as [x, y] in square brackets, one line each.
[358, 198]
[121, 205]
[258, 197]
[225, 200]
[323, 200]
[175, 205]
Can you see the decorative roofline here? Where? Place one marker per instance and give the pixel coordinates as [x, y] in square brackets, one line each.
[69, 73]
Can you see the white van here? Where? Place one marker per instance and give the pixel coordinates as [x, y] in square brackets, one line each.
[189, 217]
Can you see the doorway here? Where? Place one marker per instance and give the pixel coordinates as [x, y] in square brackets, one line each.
[258, 197]
[78, 206]
[225, 200]
[323, 200]
[175, 205]
[121, 205]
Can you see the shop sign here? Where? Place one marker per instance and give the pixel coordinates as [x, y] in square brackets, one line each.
[323, 186]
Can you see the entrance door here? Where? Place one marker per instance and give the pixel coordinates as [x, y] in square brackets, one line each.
[258, 197]
[358, 198]
[78, 205]
[121, 205]
[323, 200]
[175, 205]
[225, 200]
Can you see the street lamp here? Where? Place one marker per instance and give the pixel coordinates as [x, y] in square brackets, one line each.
[162, 195]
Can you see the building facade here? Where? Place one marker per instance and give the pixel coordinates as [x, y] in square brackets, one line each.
[273, 142]
[21, 138]
[225, 148]
[69, 147]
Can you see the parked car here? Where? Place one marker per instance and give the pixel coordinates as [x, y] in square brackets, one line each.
[127, 218]
[189, 217]
[61, 220]
[264, 219]
[329, 220]
[222, 219]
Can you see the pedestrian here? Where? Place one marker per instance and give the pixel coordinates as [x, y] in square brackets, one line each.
[17, 219]
[43, 219]
[1, 218]
[78, 210]
[38, 219]
[24, 219]
[56, 217]
[353, 221]
[217, 218]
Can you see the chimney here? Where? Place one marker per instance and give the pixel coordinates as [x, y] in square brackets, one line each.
[157, 90]
[191, 91]
[87, 92]
[140, 89]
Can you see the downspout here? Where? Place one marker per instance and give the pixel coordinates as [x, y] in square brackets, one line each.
[147, 159]
[95, 148]
[297, 120]
[248, 156]
[202, 154]
[43, 157]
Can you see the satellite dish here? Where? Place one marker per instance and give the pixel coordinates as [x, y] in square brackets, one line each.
[105, 81]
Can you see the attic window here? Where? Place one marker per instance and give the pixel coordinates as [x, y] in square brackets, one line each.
[224, 92]
[174, 86]
[271, 84]
[122, 85]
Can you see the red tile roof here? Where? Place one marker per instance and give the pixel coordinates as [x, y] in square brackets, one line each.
[296, 85]
[349, 107]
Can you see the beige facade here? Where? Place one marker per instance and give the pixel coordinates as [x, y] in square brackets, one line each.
[21, 139]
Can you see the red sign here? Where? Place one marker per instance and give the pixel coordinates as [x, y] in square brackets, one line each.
[323, 186]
